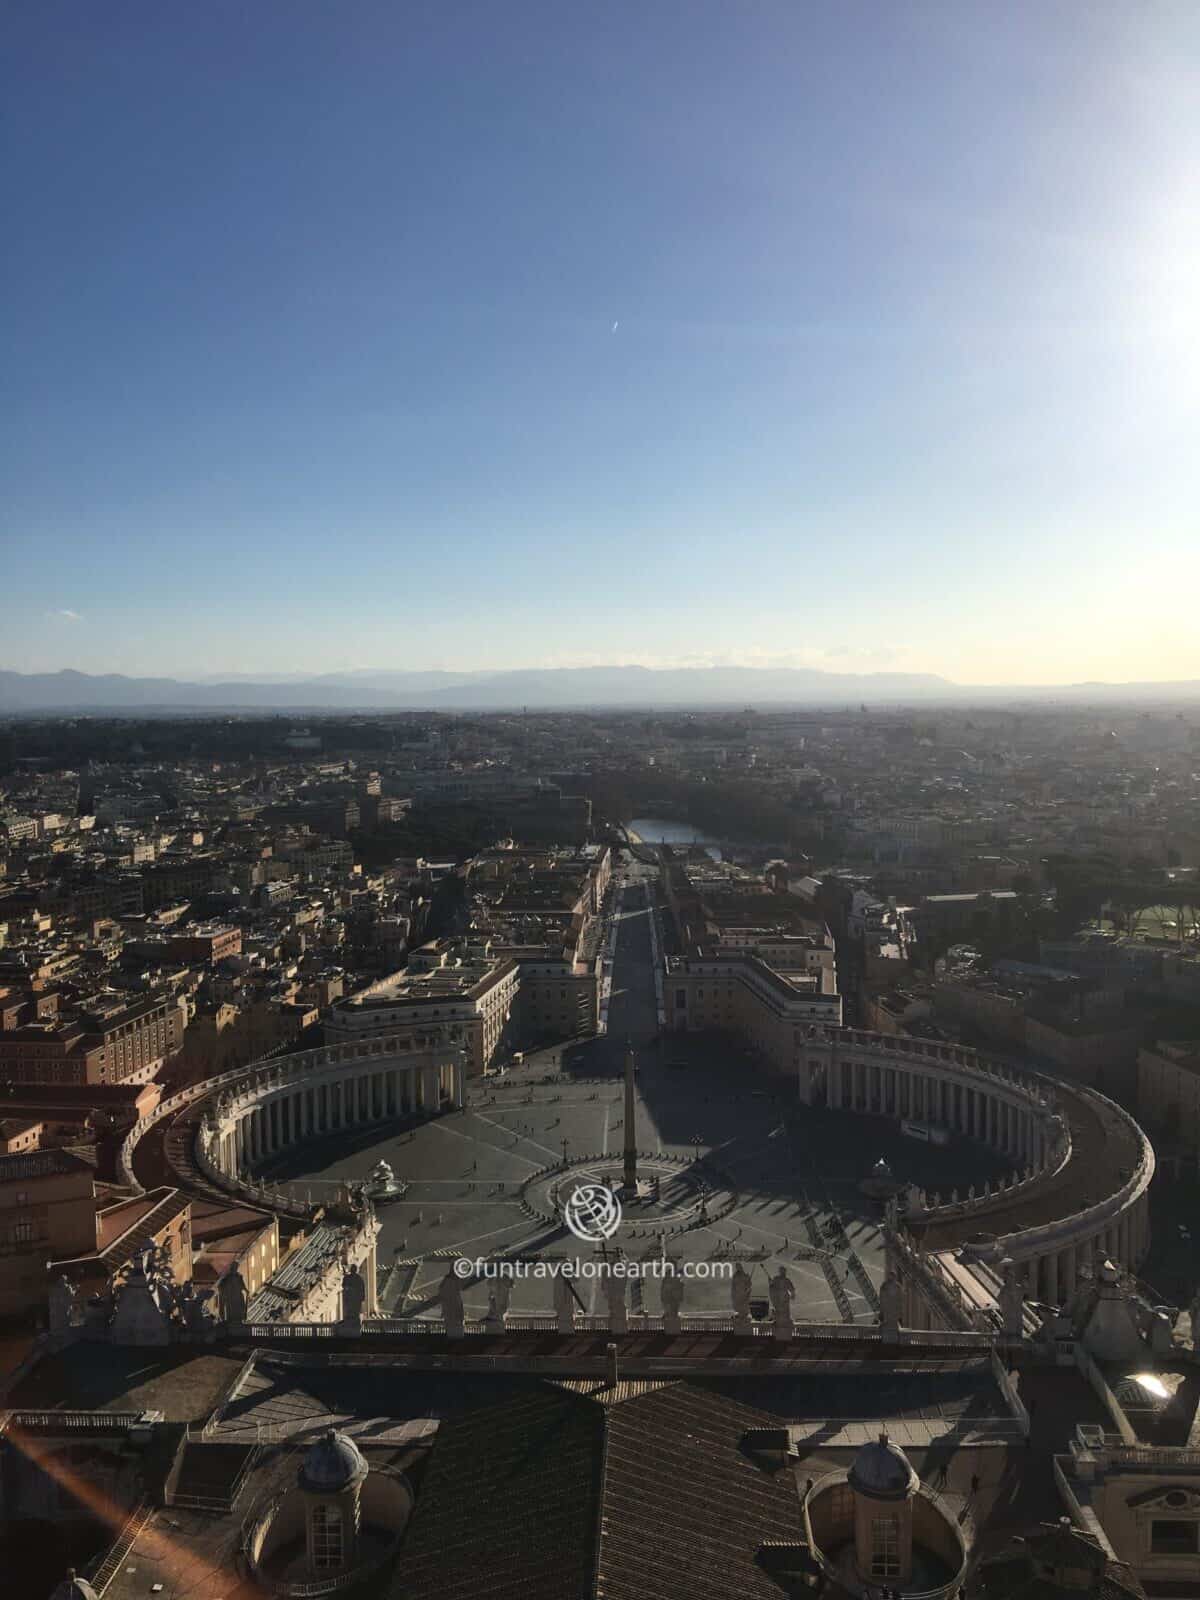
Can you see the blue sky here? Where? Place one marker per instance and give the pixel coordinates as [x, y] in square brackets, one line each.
[483, 335]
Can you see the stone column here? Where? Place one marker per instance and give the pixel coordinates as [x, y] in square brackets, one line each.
[431, 1089]
[460, 1085]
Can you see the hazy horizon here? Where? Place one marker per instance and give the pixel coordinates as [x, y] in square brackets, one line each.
[862, 338]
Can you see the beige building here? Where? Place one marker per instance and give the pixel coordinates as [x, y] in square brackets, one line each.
[47, 1209]
[49, 1036]
[1168, 1097]
[225, 1236]
[458, 991]
[1097, 1050]
[737, 991]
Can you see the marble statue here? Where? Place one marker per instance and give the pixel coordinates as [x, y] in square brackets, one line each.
[672, 1300]
[504, 1290]
[564, 1304]
[62, 1305]
[450, 1299]
[618, 1311]
[231, 1297]
[891, 1304]
[137, 1318]
[740, 1294]
[354, 1298]
[782, 1291]
[1012, 1301]
[499, 1295]
[197, 1314]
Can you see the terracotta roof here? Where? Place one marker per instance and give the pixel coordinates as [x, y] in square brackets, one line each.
[509, 1503]
[685, 1510]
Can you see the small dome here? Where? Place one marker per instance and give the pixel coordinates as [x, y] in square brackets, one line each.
[881, 1471]
[332, 1464]
[73, 1588]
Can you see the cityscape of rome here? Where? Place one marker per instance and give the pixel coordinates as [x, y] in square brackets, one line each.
[600, 801]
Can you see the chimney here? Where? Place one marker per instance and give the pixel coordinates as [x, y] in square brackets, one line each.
[611, 1365]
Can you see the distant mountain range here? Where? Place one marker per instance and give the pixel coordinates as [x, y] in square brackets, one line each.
[557, 688]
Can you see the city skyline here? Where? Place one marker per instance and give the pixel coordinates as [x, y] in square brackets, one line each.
[862, 339]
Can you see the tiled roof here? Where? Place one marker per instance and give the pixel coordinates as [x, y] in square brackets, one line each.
[685, 1510]
[508, 1505]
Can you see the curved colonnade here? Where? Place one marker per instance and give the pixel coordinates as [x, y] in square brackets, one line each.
[253, 1112]
[1082, 1165]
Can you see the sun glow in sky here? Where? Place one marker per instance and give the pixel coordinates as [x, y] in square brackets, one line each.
[862, 336]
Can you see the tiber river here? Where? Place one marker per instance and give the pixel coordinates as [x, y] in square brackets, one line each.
[657, 830]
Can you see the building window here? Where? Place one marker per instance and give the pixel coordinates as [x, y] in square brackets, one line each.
[885, 1547]
[326, 1538]
[1174, 1537]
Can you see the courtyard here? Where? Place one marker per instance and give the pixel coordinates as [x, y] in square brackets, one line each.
[744, 1173]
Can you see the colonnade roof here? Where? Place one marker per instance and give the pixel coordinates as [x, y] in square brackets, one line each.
[1106, 1148]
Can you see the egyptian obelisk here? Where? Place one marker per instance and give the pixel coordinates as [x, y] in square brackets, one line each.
[631, 1176]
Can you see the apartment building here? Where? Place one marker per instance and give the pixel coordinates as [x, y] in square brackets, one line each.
[53, 1037]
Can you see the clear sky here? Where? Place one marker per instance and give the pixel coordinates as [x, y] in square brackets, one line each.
[379, 333]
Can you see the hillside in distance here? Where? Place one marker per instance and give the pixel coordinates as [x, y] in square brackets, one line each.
[557, 688]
